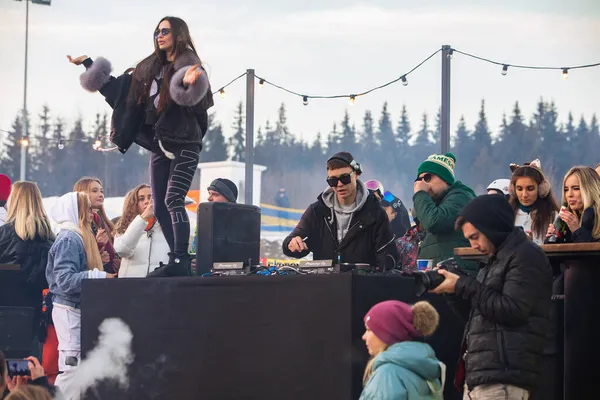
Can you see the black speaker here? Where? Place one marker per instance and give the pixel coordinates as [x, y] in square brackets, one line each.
[16, 331]
[227, 232]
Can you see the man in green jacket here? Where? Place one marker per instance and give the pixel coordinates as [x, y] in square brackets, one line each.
[437, 201]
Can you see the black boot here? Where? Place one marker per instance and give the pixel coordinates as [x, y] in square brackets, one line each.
[179, 265]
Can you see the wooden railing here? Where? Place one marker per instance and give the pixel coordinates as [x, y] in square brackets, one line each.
[566, 250]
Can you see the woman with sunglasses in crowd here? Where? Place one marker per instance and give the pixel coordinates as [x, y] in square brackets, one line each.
[162, 107]
[532, 200]
[139, 239]
[581, 221]
[102, 226]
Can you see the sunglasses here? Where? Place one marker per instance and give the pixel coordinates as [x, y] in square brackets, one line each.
[161, 32]
[345, 179]
[426, 178]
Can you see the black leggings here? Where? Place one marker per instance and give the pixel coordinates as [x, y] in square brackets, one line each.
[170, 181]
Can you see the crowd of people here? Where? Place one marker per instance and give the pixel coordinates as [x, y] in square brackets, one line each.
[505, 302]
[162, 106]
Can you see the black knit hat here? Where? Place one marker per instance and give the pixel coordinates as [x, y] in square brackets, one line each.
[492, 215]
[225, 187]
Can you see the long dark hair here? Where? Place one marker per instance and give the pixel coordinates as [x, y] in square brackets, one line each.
[150, 67]
[544, 207]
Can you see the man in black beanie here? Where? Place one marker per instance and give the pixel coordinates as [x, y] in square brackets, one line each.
[510, 304]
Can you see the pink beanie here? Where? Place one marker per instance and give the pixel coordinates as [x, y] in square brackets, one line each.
[392, 322]
[5, 184]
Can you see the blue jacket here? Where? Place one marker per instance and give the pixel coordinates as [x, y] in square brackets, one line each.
[67, 266]
[405, 371]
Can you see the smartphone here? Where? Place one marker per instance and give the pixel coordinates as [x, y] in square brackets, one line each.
[17, 367]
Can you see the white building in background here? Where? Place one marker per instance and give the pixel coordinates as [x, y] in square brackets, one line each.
[235, 171]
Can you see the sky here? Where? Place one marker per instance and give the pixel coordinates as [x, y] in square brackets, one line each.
[325, 47]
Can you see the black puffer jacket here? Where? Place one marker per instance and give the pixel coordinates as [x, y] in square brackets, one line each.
[184, 120]
[509, 320]
[368, 240]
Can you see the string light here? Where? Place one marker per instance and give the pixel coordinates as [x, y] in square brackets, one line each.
[345, 96]
[352, 99]
[61, 144]
[97, 144]
[305, 100]
[565, 70]
[222, 93]
[261, 83]
[24, 141]
[450, 53]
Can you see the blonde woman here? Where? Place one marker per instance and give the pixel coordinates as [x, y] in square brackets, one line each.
[401, 367]
[102, 226]
[139, 239]
[581, 193]
[73, 257]
[25, 240]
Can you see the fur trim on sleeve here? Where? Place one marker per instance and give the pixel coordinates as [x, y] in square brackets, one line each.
[191, 95]
[97, 75]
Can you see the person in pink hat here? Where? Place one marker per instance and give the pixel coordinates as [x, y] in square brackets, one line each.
[401, 366]
[5, 185]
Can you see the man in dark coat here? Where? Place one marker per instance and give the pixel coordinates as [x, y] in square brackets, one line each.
[346, 223]
[510, 304]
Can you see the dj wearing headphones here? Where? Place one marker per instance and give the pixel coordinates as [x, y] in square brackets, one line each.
[346, 224]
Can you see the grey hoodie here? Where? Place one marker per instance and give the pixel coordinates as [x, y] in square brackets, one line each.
[343, 214]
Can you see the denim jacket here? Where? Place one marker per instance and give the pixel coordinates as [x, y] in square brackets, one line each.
[67, 267]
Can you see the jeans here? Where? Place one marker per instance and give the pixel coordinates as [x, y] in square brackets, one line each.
[496, 391]
[170, 181]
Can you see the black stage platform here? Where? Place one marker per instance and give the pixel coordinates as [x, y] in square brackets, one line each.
[255, 337]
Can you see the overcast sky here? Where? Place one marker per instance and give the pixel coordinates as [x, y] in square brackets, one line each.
[320, 47]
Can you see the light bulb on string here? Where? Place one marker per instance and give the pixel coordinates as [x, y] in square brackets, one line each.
[97, 144]
[61, 144]
[404, 81]
[565, 73]
[352, 99]
[222, 93]
[450, 53]
[504, 69]
[24, 141]
[305, 100]
[261, 83]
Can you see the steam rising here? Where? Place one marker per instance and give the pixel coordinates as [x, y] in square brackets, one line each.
[109, 359]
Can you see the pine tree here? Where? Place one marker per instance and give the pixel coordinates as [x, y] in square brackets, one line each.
[482, 137]
[216, 145]
[436, 134]
[403, 131]
[237, 143]
[11, 154]
[333, 140]
[463, 150]
[347, 140]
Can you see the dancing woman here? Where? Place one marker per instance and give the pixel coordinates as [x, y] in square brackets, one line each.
[161, 105]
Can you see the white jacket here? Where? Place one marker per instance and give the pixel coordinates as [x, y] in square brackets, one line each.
[524, 219]
[141, 251]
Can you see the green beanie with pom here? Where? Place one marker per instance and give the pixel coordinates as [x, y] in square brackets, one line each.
[440, 165]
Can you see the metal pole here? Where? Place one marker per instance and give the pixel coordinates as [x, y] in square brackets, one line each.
[249, 184]
[445, 112]
[23, 173]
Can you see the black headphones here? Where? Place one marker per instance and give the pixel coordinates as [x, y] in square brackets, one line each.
[348, 159]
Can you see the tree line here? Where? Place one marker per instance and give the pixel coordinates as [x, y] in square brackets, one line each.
[389, 148]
